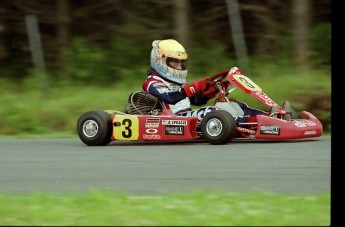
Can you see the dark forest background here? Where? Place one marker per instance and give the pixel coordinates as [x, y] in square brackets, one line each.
[111, 39]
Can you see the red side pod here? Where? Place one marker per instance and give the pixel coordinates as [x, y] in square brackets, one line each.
[167, 128]
[276, 128]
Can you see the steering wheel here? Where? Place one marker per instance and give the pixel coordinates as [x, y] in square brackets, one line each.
[218, 77]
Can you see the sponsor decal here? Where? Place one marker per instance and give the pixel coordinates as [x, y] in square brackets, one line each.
[264, 97]
[152, 123]
[162, 90]
[174, 130]
[159, 84]
[245, 130]
[174, 122]
[151, 137]
[200, 113]
[270, 129]
[310, 132]
[304, 123]
[192, 90]
[151, 130]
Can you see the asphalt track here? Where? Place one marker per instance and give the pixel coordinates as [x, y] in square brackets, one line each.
[141, 168]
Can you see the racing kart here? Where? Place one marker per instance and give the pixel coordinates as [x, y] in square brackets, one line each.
[146, 119]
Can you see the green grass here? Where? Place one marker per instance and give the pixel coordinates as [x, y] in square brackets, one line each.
[195, 209]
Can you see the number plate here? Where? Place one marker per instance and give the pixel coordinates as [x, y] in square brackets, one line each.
[246, 82]
[126, 127]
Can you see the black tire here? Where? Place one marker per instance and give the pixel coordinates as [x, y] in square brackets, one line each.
[218, 127]
[95, 128]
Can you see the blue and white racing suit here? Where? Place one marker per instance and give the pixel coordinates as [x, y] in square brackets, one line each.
[174, 98]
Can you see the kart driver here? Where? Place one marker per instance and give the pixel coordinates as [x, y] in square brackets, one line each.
[167, 80]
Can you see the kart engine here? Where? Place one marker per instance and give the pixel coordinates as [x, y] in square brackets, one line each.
[141, 102]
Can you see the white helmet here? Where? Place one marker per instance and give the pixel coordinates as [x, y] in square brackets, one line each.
[163, 53]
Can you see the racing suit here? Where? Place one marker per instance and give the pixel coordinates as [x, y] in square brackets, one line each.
[175, 99]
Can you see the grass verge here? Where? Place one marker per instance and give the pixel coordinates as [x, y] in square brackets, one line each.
[197, 208]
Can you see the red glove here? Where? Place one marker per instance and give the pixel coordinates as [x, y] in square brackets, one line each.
[195, 87]
[211, 92]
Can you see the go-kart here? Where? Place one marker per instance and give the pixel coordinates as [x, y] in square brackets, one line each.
[146, 119]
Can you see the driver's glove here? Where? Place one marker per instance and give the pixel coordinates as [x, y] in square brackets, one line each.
[197, 86]
[211, 92]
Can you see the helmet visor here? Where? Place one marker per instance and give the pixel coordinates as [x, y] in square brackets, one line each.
[175, 63]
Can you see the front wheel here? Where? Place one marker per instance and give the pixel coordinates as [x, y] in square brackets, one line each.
[218, 127]
[95, 128]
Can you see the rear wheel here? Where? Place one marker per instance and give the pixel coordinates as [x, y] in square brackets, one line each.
[218, 127]
[95, 128]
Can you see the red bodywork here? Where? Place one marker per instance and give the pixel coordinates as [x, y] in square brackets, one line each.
[165, 126]
[99, 127]
[276, 128]
[162, 127]
[268, 127]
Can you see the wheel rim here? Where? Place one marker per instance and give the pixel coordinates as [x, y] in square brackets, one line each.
[90, 128]
[214, 127]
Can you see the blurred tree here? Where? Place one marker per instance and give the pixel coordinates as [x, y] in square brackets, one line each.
[265, 24]
[237, 35]
[301, 16]
[62, 33]
[3, 51]
[181, 22]
[121, 32]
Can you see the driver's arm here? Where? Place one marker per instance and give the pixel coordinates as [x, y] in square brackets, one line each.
[198, 99]
[163, 92]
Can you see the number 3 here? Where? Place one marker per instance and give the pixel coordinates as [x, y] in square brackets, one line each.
[129, 128]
